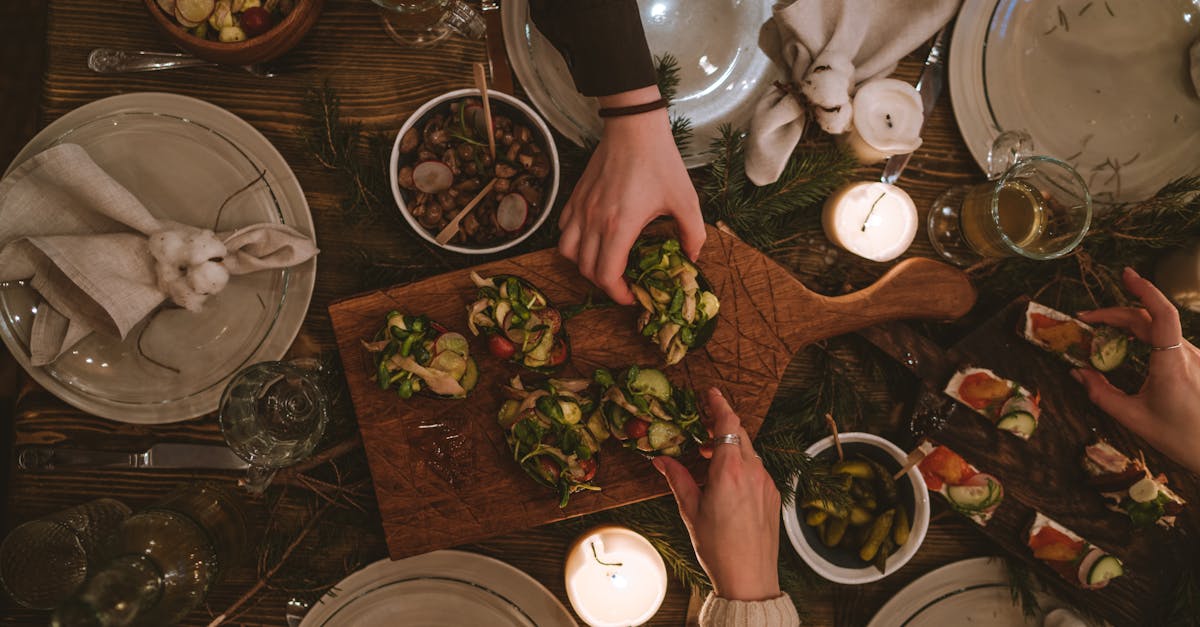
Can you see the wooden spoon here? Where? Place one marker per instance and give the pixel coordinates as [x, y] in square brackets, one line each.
[452, 229]
[481, 85]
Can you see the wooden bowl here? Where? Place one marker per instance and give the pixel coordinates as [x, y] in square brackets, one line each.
[270, 45]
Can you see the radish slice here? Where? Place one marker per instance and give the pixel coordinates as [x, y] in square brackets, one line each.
[432, 177]
[195, 10]
[512, 212]
[1085, 566]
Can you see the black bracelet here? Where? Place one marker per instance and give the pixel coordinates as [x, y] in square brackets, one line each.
[613, 112]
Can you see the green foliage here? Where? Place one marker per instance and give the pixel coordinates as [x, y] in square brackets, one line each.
[1023, 587]
[1184, 609]
[766, 215]
[341, 146]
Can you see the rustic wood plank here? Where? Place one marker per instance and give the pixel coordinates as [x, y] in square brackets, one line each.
[380, 84]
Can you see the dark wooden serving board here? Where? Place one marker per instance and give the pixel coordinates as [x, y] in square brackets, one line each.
[442, 471]
[1044, 474]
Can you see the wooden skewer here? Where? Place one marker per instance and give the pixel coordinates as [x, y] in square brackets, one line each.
[481, 85]
[452, 229]
[914, 458]
[837, 441]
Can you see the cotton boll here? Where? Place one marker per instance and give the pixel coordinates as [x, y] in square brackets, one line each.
[834, 120]
[167, 273]
[183, 295]
[828, 82]
[207, 278]
[203, 245]
[168, 247]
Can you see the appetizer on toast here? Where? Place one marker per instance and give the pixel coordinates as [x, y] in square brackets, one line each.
[1129, 486]
[680, 308]
[520, 323]
[555, 433]
[969, 492]
[645, 412]
[1075, 341]
[1009, 405]
[1071, 556]
[413, 354]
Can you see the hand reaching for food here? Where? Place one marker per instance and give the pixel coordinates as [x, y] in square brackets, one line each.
[734, 519]
[635, 176]
[1166, 411]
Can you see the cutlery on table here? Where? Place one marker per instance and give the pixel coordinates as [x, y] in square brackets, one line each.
[933, 77]
[162, 455]
[502, 76]
[113, 61]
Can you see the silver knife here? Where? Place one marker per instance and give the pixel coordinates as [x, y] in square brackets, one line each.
[162, 455]
[933, 77]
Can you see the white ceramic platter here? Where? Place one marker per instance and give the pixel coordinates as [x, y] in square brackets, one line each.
[182, 158]
[438, 589]
[972, 592]
[723, 71]
[1100, 84]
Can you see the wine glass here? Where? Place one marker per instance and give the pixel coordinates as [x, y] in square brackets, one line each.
[272, 415]
[426, 22]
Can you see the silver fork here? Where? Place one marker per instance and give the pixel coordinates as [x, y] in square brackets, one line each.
[113, 61]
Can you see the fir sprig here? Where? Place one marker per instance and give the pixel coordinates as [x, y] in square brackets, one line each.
[1021, 584]
[341, 145]
[1184, 610]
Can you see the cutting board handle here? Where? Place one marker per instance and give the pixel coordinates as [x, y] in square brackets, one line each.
[915, 288]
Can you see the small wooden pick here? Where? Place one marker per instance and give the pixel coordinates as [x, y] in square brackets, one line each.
[482, 86]
[914, 458]
[837, 441]
[452, 229]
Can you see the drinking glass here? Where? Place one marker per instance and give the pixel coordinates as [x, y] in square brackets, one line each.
[272, 415]
[1032, 206]
[43, 561]
[426, 22]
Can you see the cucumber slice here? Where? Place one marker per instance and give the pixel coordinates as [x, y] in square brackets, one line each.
[651, 382]
[451, 363]
[1109, 349]
[1019, 422]
[454, 342]
[663, 435]
[571, 412]
[470, 376]
[540, 355]
[973, 497]
[1106, 568]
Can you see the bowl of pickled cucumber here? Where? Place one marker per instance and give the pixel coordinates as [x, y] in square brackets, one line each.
[863, 523]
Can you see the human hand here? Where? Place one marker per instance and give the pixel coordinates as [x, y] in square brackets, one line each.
[1166, 411]
[635, 176]
[734, 519]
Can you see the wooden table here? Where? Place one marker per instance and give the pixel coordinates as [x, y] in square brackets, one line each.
[380, 85]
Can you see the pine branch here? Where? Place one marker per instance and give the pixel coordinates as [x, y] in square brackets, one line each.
[666, 68]
[1021, 584]
[1184, 610]
[337, 144]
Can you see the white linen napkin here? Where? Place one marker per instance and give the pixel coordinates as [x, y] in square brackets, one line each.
[100, 260]
[830, 47]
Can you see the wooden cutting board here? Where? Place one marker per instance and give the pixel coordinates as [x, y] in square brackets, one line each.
[1044, 474]
[443, 473]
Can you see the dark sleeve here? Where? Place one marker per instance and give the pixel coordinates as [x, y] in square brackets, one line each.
[601, 40]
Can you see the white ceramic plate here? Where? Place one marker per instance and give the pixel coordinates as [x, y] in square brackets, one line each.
[182, 158]
[1106, 82]
[723, 70]
[972, 592]
[438, 589]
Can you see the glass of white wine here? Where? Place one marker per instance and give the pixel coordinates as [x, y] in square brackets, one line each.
[1032, 206]
[426, 22]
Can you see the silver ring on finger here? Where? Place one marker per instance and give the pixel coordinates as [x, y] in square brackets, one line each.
[1167, 348]
[728, 438]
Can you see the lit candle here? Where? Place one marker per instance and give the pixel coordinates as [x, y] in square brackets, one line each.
[871, 219]
[1178, 276]
[888, 115]
[615, 578]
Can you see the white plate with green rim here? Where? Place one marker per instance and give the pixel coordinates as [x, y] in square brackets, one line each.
[1100, 84]
[181, 157]
[723, 71]
[437, 589]
[972, 592]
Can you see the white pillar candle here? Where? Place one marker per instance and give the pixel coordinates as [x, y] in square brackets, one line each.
[1178, 276]
[871, 219]
[888, 115]
[615, 578]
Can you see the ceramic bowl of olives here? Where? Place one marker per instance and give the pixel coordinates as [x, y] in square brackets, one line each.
[441, 161]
